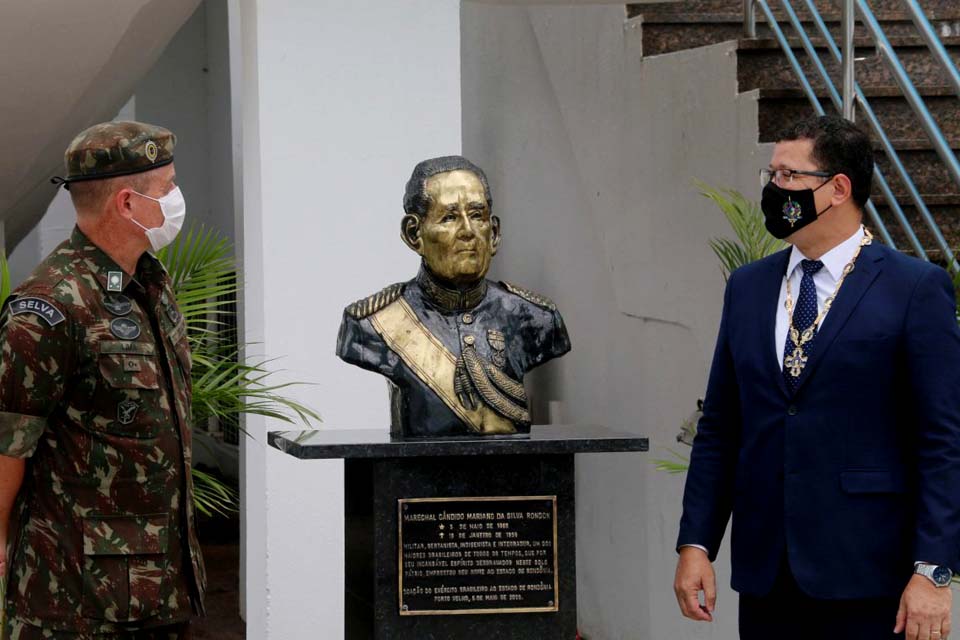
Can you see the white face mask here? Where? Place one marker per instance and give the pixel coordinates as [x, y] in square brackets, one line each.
[174, 209]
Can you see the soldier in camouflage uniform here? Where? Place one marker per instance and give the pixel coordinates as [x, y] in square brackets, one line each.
[95, 395]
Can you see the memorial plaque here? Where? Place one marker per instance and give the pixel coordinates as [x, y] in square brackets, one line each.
[478, 555]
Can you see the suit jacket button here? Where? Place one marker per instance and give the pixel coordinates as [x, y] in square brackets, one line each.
[792, 410]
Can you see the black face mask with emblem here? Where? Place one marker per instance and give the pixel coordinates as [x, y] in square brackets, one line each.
[786, 211]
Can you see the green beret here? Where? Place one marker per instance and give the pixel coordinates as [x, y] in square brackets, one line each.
[115, 149]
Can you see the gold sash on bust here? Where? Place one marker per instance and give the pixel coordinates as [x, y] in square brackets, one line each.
[432, 363]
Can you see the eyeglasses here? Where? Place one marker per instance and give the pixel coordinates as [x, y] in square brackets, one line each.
[781, 177]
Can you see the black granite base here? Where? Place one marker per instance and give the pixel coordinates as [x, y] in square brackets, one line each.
[380, 471]
[372, 490]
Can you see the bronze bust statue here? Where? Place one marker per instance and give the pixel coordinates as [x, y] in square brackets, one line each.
[454, 345]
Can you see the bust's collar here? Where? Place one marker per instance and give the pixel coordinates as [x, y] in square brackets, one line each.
[447, 299]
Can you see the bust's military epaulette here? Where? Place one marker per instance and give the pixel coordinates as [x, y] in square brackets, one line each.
[371, 304]
[526, 294]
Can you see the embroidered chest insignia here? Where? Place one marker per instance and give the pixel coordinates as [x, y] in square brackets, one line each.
[127, 411]
[115, 281]
[125, 328]
[118, 304]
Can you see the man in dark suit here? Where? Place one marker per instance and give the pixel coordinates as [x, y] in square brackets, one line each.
[831, 423]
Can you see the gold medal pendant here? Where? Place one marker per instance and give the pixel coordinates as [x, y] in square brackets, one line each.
[795, 362]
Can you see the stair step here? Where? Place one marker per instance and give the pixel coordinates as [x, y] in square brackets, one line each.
[924, 167]
[768, 67]
[680, 13]
[931, 8]
[862, 43]
[873, 91]
[946, 216]
[931, 199]
[893, 112]
[668, 36]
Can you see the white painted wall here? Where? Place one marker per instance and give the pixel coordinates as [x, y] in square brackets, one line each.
[591, 152]
[188, 91]
[73, 64]
[340, 100]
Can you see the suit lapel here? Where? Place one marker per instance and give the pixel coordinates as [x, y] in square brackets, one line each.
[868, 267]
[769, 290]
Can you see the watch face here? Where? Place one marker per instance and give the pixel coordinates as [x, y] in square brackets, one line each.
[942, 575]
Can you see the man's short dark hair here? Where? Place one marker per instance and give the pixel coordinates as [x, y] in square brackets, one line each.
[839, 146]
[416, 200]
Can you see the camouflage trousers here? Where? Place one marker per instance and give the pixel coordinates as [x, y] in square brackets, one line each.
[18, 630]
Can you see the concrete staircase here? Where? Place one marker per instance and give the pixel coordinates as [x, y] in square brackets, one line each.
[761, 66]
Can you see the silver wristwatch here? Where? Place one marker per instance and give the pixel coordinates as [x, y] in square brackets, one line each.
[937, 574]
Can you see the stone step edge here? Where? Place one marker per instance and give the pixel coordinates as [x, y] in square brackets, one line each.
[898, 42]
[879, 91]
[931, 199]
[910, 144]
[687, 17]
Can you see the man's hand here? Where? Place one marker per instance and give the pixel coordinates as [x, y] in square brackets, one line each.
[695, 574]
[924, 610]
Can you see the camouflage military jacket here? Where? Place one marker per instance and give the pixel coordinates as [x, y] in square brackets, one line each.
[502, 329]
[95, 391]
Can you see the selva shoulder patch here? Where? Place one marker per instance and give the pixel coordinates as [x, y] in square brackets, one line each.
[39, 307]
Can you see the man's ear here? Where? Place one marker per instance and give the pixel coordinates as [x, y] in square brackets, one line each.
[842, 189]
[495, 234]
[410, 232]
[123, 201]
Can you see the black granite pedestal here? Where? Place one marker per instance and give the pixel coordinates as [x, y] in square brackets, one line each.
[492, 493]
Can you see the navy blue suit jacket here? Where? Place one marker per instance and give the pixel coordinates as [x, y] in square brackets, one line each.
[857, 474]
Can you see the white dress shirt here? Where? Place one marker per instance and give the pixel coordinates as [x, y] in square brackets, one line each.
[825, 280]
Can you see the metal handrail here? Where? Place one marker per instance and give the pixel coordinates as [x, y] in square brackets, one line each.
[892, 156]
[847, 22]
[852, 93]
[885, 49]
[815, 102]
[852, 89]
[933, 42]
[749, 19]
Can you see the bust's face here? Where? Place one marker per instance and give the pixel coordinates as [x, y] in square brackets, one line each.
[458, 234]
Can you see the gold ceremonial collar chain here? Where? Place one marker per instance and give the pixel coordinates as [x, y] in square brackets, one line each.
[447, 299]
[797, 360]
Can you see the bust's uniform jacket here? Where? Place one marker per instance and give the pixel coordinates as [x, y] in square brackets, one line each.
[531, 332]
[857, 474]
[106, 539]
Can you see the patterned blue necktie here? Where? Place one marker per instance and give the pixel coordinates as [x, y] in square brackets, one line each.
[804, 313]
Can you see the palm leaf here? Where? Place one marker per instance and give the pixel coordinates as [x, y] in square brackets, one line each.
[677, 464]
[753, 242]
[206, 284]
[212, 496]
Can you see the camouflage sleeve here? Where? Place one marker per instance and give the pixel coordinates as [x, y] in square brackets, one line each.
[35, 356]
